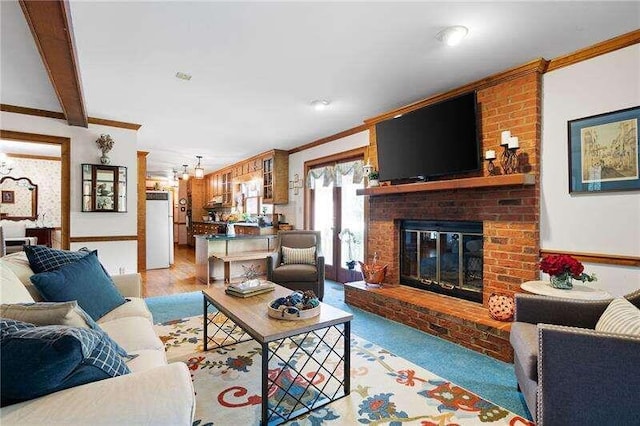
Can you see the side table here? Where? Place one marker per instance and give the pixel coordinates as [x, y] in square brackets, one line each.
[44, 235]
[579, 291]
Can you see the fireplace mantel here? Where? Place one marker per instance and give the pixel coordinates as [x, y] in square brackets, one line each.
[442, 185]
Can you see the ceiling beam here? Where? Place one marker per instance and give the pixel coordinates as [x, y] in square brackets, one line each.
[52, 30]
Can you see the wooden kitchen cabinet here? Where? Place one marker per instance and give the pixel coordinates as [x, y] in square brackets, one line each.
[227, 188]
[275, 177]
[196, 191]
[253, 230]
[210, 179]
[202, 228]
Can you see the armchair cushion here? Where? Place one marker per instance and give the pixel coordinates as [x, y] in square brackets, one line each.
[298, 256]
[37, 361]
[295, 272]
[83, 280]
[620, 317]
[524, 339]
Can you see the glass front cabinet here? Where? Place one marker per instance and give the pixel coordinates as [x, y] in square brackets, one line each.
[104, 188]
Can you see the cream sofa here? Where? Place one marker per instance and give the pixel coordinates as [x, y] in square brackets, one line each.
[153, 393]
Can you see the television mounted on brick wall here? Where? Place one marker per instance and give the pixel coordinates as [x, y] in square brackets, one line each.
[436, 140]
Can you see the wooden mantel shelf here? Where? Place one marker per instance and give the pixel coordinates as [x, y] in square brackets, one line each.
[443, 185]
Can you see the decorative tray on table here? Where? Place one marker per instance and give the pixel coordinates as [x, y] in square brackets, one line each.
[295, 307]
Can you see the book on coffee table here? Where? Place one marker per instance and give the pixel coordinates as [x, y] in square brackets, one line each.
[249, 288]
[235, 293]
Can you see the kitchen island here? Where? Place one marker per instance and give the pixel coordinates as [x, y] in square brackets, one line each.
[220, 257]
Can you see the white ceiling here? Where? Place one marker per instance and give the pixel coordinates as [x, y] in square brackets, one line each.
[29, 148]
[257, 66]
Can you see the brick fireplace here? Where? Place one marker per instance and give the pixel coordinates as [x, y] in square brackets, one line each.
[510, 228]
[508, 213]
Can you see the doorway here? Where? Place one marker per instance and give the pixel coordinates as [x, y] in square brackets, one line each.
[64, 145]
[338, 213]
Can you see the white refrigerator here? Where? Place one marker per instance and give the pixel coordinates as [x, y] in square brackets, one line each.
[159, 229]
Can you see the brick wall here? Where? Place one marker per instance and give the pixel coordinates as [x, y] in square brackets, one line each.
[510, 214]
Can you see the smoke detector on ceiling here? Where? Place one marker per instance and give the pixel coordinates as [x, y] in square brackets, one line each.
[183, 76]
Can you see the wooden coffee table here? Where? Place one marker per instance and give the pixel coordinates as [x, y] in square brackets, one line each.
[297, 382]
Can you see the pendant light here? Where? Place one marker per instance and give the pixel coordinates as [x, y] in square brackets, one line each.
[185, 173]
[174, 181]
[199, 171]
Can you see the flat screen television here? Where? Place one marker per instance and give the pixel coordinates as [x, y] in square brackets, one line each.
[436, 140]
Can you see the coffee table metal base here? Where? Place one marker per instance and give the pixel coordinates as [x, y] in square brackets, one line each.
[299, 381]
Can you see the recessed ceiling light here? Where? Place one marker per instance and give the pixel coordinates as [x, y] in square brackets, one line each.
[183, 76]
[320, 104]
[452, 36]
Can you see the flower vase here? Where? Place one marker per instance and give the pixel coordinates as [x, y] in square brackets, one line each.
[562, 281]
[104, 159]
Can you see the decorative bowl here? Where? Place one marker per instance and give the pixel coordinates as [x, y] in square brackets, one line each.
[295, 307]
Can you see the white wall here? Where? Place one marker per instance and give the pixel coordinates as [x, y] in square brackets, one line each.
[607, 222]
[84, 150]
[294, 211]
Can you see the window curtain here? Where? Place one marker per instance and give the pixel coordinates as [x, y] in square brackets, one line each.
[334, 174]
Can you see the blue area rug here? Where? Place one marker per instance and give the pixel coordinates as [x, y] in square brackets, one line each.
[491, 379]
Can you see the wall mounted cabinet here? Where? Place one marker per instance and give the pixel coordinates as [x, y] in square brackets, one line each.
[104, 188]
[196, 189]
[227, 188]
[275, 177]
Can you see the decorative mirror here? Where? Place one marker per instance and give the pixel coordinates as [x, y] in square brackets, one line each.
[104, 188]
[19, 198]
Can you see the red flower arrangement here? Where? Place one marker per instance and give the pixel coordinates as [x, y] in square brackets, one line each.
[565, 266]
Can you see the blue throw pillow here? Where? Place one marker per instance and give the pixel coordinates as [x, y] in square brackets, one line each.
[84, 281]
[8, 326]
[36, 361]
[55, 313]
[44, 259]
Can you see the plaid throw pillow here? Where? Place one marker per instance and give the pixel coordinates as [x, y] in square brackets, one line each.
[37, 361]
[305, 256]
[45, 259]
[56, 313]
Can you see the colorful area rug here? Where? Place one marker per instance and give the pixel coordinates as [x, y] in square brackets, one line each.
[385, 389]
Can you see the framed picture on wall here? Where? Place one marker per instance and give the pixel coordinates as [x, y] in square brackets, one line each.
[604, 154]
[8, 197]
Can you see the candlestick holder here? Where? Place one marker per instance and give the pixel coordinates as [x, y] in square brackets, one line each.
[509, 160]
[491, 168]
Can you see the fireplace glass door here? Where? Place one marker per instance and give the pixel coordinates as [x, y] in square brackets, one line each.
[444, 261]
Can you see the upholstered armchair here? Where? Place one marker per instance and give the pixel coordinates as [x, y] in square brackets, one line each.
[298, 269]
[14, 237]
[568, 372]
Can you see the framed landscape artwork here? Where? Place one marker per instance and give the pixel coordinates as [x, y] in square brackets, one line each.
[604, 153]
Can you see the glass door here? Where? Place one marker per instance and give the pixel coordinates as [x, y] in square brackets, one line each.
[338, 213]
[324, 221]
[351, 226]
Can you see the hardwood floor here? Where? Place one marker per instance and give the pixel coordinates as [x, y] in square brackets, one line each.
[179, 278]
